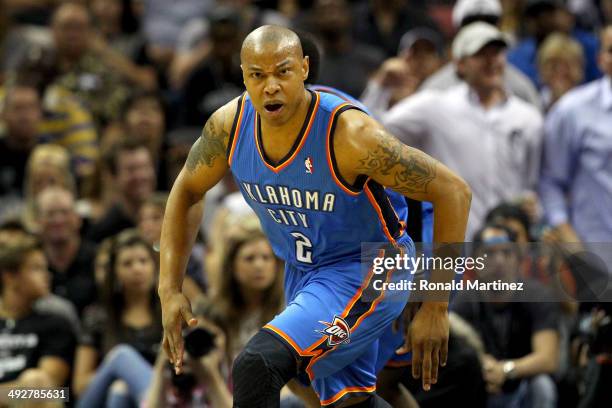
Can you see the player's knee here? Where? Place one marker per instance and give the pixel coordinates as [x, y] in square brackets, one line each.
[248, 368]
[261, 370]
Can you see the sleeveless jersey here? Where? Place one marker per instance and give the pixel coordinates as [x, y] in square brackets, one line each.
[311, 216]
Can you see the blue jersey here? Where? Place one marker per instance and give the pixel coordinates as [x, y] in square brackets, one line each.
[311, 216]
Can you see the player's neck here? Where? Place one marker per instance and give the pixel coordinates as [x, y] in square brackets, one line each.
[279, 133]
[278, 140]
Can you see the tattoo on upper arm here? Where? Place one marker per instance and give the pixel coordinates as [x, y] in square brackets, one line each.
[210, 145]
[411, 170]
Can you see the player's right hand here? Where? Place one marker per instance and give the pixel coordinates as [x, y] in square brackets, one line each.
[176, 309]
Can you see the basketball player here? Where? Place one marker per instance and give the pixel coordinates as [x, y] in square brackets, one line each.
[312, 167]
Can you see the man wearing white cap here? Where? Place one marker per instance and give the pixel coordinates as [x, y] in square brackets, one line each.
[466, 12]
[488, 136]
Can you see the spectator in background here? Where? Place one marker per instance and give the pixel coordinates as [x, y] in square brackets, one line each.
[543, 17]
[144, 119]
[521, 340]
[194, 44]
[130, 165]
[421, 53]
[460, 383]
[560, 66]
[66, 122]
[89, 68]
[21, 116]
[488, 11]
[576, 178]
[125, 327]
[150, 219]
[16, 41]
[249, 289]
[71, 259]
[12, 231]
[204, 381]
[106, 16]
[382, 23]
[47, 166]
[37, 347]
[218, 78]
[346, 63]
[162, 22]
[490, 138]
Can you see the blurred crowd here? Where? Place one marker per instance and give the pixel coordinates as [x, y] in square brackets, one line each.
[101, 100]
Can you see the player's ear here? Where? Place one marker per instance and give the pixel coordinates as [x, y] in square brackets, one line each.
[305, 67]
[243, 75]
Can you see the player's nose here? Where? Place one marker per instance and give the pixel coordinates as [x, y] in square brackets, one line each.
[272, 86]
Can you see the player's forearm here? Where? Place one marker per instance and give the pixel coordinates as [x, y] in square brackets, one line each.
[179, 230]
[451, 210]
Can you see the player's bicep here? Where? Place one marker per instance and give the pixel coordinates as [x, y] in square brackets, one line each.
[391, 163]
[207, 160]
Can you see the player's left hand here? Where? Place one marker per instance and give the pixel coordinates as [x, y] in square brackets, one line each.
[427, 338]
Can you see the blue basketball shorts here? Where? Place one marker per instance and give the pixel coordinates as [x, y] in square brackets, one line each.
[339, 321]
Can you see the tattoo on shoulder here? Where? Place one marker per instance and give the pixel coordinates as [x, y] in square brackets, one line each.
[210, 145]
[411, 171]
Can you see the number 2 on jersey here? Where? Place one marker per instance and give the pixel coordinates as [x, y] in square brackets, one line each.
[303, 247]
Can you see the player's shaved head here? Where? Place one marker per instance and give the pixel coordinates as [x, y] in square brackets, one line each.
[271, 38]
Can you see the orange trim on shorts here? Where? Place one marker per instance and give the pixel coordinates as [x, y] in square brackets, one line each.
[286, 338]
[344, 314]
[347, 390]
[380, 215]
[329, 160]
[242, 102]
[304, 136]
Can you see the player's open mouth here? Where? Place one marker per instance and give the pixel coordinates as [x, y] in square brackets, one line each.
[273, 107]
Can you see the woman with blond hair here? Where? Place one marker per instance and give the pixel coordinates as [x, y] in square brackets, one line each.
[561, 64]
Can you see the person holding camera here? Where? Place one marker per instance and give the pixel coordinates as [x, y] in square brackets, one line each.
[125, 328]
[203, 382]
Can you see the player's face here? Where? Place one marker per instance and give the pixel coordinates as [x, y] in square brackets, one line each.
[255, 266]
[274, 79]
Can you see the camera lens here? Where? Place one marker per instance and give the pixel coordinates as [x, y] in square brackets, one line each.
[199, 342]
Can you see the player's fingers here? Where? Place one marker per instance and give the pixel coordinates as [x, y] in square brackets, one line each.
[435, 360]
[188, 316]
[166, 348]
[444, 352]
[417, 360]
[426, 368]
[407, 344]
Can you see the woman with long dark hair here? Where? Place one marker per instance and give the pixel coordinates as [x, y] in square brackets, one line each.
[125, 328]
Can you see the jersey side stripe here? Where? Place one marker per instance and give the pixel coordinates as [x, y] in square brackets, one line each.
[235, 129]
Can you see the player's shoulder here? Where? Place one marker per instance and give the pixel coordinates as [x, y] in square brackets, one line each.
[355, 130]
[222, 119]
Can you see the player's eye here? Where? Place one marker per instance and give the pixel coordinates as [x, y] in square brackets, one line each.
[255, 75]
[284, 71]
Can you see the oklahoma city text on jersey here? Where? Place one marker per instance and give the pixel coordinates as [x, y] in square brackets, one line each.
[290, 197]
